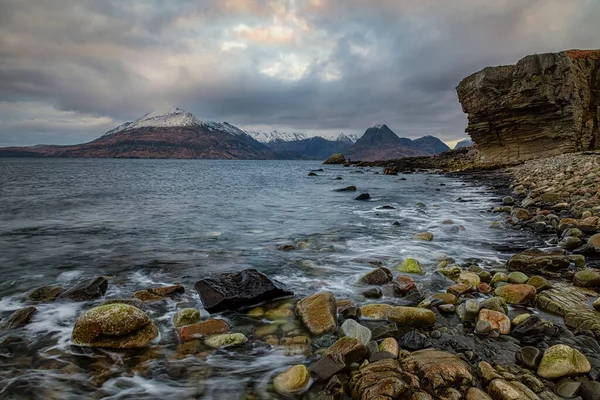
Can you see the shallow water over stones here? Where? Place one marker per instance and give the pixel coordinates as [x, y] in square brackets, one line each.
[148, 224]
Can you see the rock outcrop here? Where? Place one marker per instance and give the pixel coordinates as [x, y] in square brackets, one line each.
[545, 105]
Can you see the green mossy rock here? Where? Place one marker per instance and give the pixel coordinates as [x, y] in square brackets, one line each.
[410, 266]
[225, 340]
[114, 326]
[187, 316]
[561, 360]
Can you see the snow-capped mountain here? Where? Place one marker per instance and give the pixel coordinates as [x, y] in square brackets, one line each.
[266, 137]
[164, 118]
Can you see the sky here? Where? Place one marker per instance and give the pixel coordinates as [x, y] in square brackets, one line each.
[70, 70]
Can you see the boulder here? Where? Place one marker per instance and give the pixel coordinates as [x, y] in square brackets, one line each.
[516, 293]
[587, 278]
[187, 316]
[561, 360]
[294, 380]
[350, 349]
[411, 316]
[86, 290]
[594, 240]
[18, 318]
[225, 340]
[498, 320]
[570, 303]
[535, 261]
[363, 197]
[439, 369]
[540, 107]
[382, 379]
[375, 311]
[318, 313]
[232, 290]
[336, 158]
[46, 293]
[117, 326]
[379, 276]
[202, 329]
[410, 266]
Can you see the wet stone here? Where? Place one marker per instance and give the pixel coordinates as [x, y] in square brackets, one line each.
[382, 379]
[355, 330]
[590, 390]
[439, 368]
[318, 313]
[413, 341]
[18, 318]
[225, 340]
[46, 293]
[187, 316]
[293, 381]
[351, 350]
[529, 357]
[373, 293]
[561, 360]
[379, 276]
[567, 388]
[86, 290]
[202, 329]
[327, 366]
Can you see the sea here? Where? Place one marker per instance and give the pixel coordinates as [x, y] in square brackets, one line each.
[148, 223]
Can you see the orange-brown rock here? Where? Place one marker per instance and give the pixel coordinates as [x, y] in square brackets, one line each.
[499, 321]
[350, 349]
[318, 313]
[201, 329]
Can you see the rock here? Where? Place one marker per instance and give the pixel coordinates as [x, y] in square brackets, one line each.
[426, 236]
[117, 326]
[410, 266]
[278, 314]
[225, 340]
[498, 277]
[336, 158]
[131, 301]
[533, 330]
[529, 357]
[587, 278]
[596, 304]
[520, 318]
[459, 289]
[202, 329]
[516, 293]
[452, 272]
[86, 290]
[517, 277]
[382, 379]
[468, 310]
[502, 390]
[495, 303]
[46, 293]
[379, 276]
[570, 243]
[312, 174]
[590, 390]
[373, 293]
[521, 214]
[390, 345]
[508, 201]
[294, 380]
[232, 290]
[327, 366]
[516, 112]
[350, 349]
[287, 247]
[411, 316]
[469, 277]
[363, 196]
[561, 360]
[318, 313]
[390, 170]
[355, 330]
[187, 316]
[476, 394]
[534, 261]
[498, 320]
[483, 328]
[347, 189]
[594, 240]
[570, 303]
[567, 388]
[539, 283]
[375, 311]
[439, 369]
[413, 341]
[18, 318]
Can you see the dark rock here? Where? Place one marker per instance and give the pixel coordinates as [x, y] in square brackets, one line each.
[234, 290]
[390, 170]
[327, 366]
[535, 261]
[590, 390]
[533, 330]
[18, 318]
[373, 293]
[347, 189]
[413, 341]
[529, 357]
[567, 388]
[363, 196]
[86, 290]
[379, 276]
[46, 293]
[381, 355]
[382, 331]
[312, 174]
[386, 208]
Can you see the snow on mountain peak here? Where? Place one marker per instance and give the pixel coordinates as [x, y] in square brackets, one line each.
[266, 137]
[378, 126]
[161, 118]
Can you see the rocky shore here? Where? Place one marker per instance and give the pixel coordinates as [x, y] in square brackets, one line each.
[528, 329]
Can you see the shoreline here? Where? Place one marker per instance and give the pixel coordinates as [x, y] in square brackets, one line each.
[472, 327]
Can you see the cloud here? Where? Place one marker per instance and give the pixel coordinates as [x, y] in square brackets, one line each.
[70, 71]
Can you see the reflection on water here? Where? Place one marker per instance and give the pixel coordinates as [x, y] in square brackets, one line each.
[146, 223]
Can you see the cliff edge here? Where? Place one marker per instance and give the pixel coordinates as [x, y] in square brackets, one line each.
[545, 105]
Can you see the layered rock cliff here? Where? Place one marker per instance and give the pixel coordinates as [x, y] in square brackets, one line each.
[546, 104]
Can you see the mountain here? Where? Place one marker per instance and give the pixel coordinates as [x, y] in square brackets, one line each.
[379, 142]
[267, 137]
[430, 145]
[463, 143]
[169, 133]
[300, 146]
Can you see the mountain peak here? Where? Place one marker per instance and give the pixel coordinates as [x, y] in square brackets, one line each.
[379, 126]
[161, 118]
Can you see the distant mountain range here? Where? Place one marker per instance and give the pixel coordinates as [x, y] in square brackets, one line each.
[463, 143]
[174, 133]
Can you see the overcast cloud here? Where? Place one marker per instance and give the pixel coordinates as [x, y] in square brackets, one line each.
[71, 70]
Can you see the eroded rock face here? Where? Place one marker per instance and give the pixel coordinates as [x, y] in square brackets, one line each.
[382, 379]
[545, 105]
[439, 368]
[233, 290]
